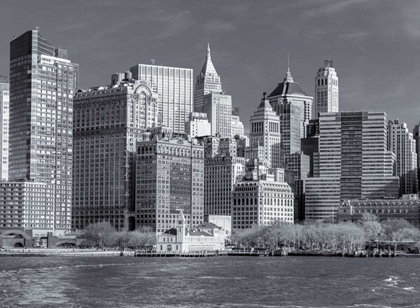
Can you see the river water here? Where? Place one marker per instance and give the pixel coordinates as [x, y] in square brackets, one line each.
[209, 282]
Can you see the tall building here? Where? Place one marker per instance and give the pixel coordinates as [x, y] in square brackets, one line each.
[219, 112]
[198, 125]
[41, 123]
[108, 120]
[353, 162]
[265, 133]
[326, 89]
[4, 128]
[169, 177]
[174, 87]
[402, 143]
[208, 81]
[261, 199]
[220, 175]
[416, 136]
[289, 92]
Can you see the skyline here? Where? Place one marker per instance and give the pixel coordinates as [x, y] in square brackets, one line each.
[249, 43]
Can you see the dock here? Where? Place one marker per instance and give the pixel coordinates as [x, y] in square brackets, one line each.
[190, 254]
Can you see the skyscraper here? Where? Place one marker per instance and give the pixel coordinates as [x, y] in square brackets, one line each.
[41, 124]
[208, 81]
[169, 177]
[290, 92]
[219, 112]
[4, 128]
[353, 162]
[326, 89]
[174, 87]
[401, 142]
[265, 133]
[108, 120]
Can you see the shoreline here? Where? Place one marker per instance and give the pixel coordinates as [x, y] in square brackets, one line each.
[117, 253]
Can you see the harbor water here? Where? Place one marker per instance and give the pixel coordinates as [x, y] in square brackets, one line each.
[76, 282]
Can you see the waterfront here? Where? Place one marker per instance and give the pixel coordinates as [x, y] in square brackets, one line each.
[208, 282]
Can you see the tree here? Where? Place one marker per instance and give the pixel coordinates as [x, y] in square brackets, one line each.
[141, 238]
[99, 234]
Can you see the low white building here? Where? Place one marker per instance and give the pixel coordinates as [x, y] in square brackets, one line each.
[204, 237]
[198, 125]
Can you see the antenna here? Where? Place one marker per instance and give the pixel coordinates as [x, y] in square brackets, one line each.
[288, 62]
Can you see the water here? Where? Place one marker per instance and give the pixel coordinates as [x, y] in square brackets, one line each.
[76, 282]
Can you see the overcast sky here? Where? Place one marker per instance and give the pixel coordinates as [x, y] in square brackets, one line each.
[374, 43]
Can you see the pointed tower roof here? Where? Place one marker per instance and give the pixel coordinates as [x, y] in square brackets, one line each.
[208, 67]
[287, 87]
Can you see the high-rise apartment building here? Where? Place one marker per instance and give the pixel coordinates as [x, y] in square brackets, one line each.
[40, 125]
[219, 112]
[108, 120]
[198, 125]
[174, 87]
[402, 143]
[353, 162]
[169, 177]
[326, 89]
[4, 128]
[208, 81]
[265, 133]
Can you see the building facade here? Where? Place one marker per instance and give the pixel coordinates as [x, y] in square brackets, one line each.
[261, 199]
[41, 121]
[408, 208]
[326, 89]
[403, 145]
[220, 175]
[4, 128]
[27, 205]
[198, 125]
[208, 81]
[353, 162]
[265, 133]
[169, 177]
[218, 107]
[174, 87]
[108, 120]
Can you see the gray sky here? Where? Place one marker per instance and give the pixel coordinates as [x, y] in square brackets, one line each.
[374, 44]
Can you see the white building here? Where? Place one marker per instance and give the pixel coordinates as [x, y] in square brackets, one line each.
[218, 107]
[175, 89]
[262, 199]
[181, 239]
[403, 145]
[265, 133]
[237, 126]
[4, 129]
[326, 89]
[198, 125]
[208, 81]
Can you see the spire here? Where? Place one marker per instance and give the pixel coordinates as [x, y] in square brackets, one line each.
[288, 77]
[208, 67]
